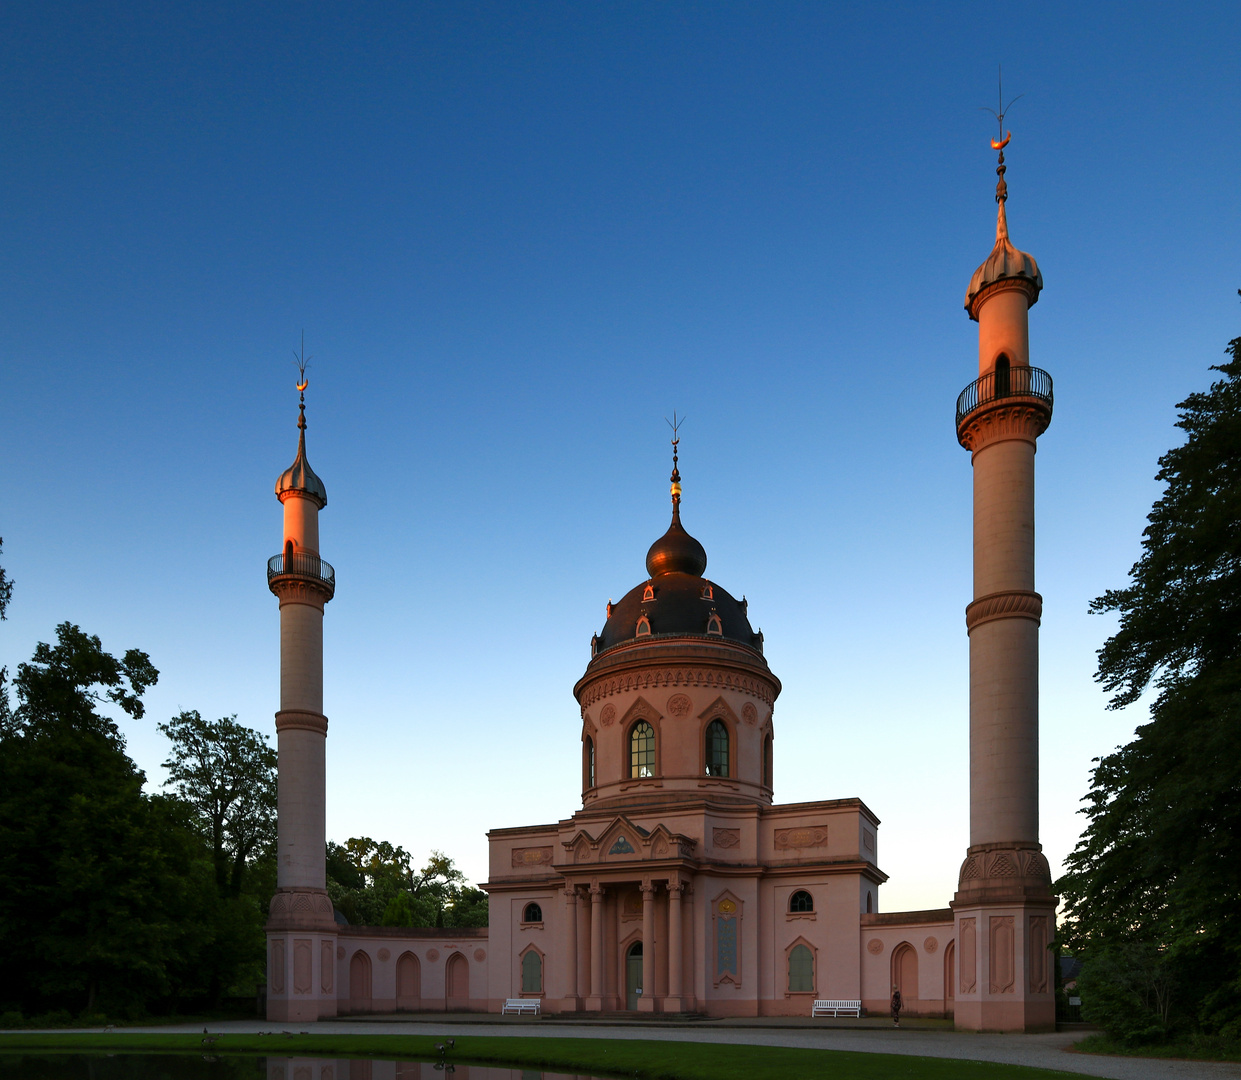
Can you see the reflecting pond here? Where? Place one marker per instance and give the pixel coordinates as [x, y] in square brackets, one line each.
[244, 1067]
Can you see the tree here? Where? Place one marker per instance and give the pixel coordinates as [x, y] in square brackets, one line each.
[227, 773]
[89, 866]
[373, 883]
[6, 588]
[1152, 891]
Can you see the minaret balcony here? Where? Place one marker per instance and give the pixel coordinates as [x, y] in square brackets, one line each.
[301, 568]
[1025, 388]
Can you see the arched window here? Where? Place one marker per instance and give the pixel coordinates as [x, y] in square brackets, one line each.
[642, 750]
[532, 973]
[717, 748]
[801, 970]
[1002, 376]
[533, 913]
[714, 626]
[589, 762]
[870, 903]
[767, 760]
[644, 627]
[801, 901]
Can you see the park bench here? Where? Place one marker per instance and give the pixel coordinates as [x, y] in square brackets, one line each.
[522, 1005]
[836, 1008]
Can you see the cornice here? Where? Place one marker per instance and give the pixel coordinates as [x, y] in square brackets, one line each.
[1014, 604]
[1004, 419]
[300, 720]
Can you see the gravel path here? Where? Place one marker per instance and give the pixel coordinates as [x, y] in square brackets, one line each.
[1045, 1051]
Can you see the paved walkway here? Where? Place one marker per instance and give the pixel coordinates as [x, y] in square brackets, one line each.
[1044, 1051]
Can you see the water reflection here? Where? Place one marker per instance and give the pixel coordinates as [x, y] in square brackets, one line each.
[228, 1067]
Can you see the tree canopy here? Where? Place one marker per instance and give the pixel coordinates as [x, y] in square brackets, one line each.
[226, 772]
[110, 902]
[374, 883]
[1152, 892]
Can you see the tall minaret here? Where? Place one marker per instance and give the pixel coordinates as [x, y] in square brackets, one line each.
[1004, 910]
[301, 932]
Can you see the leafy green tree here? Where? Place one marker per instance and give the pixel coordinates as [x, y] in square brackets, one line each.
[91, 869]
[227, 773]
[1152, 892]
[6, 587]
[373, 883]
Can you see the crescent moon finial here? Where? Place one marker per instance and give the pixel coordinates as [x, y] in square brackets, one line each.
[1000, 145]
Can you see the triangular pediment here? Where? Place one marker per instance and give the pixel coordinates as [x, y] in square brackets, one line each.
[641, 709]
[720, 707]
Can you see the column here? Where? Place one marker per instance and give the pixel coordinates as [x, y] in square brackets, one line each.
[583, 947]
[674, 1002]
[570, 903]
[595, 1004]
[646, 1003]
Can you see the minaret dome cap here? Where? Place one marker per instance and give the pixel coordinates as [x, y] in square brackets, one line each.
[1005, 262]
[299, 478]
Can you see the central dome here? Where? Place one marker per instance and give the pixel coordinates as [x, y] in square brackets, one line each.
[676, 552]
[677, 601]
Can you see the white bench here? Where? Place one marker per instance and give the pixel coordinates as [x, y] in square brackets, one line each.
[837, 1008]
[522, 1005]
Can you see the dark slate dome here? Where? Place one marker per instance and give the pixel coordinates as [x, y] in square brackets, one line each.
[677, 601]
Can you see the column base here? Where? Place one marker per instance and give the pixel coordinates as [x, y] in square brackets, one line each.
[302, 964]
[571, 1004]
[646, 1004]
[594, 1004]
[1004, 922]
[674, 1005]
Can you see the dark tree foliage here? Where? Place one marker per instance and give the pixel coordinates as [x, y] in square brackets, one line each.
[6, 588]
[108, 901]
[373, 883]
[227, 773]
[1152, 892]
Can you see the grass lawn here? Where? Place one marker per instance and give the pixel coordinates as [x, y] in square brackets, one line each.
[1198, 1049]
[617, 1057]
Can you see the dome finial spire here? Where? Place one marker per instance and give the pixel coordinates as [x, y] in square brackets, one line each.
[675, 424]
[302, 361]
[299, 476]
[1001, 187]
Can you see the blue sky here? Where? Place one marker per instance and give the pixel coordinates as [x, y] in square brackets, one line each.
[518, 236]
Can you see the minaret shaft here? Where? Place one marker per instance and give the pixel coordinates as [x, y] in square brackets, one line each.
[301, 932]
[1004, 912]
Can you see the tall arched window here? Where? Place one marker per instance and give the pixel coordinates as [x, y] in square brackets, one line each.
[767, 760]
[717, 748]
[589, 762]
[642, 750]
[801, 970]
[801, 901]
[532, 973]
[1002, 376]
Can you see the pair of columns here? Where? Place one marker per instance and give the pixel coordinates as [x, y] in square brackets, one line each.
[587, 923]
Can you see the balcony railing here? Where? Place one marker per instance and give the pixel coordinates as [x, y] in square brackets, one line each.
[1013, 382]
[303, 565]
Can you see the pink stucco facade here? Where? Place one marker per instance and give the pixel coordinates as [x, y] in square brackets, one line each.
[679, 885]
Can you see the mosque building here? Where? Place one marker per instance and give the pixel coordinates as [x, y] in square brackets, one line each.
[680, 885]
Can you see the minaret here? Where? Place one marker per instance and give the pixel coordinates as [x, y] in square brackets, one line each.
[1004, 910]
[301, 932]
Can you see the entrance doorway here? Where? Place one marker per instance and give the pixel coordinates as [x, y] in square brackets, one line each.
[633, 976]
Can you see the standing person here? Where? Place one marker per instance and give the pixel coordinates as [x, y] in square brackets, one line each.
[896, 1006]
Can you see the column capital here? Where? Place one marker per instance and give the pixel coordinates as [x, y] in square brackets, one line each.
[647, 889]
[596, 892]
[675, 888]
